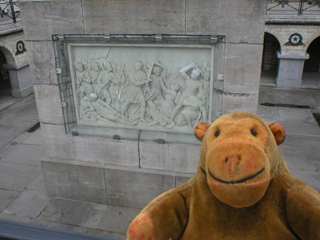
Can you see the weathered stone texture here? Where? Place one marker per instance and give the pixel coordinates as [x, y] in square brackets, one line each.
[41, 19]
[76, 181]
[135, 189]
[131, 17]
[169, 157]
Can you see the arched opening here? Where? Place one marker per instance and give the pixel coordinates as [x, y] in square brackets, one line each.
[270, 61]
[5, 86]
[311, 70]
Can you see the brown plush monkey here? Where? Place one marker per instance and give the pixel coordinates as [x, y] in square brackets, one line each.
[242, 190]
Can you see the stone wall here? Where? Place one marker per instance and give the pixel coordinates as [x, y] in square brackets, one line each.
[121, 171]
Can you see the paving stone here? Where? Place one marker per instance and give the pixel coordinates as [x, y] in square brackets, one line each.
[35, 139]
[312, 179]
[29, 203]
[17, 177]
[6, 197]
[25, 154]
[38, 184]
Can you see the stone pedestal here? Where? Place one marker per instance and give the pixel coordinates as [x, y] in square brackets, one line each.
[290, 70]
[20, 79]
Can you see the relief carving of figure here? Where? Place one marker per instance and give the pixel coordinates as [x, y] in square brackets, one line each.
[193, 86]
[155, 84]
[193, 110]
[106, 113]
[170, 96]
[95, 73]
[132, 91]
[84, 86]
[86, 109]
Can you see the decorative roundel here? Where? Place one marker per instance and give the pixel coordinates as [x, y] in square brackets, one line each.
[20, 47]
[295, 39]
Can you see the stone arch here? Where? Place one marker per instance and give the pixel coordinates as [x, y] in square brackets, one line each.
[313, 49]
[8, 52]
[271, 46]
[311, 39]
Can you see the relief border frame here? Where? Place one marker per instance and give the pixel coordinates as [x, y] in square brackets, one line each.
[61, 43]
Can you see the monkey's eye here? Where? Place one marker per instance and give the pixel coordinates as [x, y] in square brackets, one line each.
[253, 132]
[217, 133]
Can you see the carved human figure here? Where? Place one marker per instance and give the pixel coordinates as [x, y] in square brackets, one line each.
[86, 109]
[106, 113]
[111, 83]
[190, 111]
[84, 86]
[170, 96]
[95, 73]
[158, 117]
[155, 84]
[193, 86]
[132, 92]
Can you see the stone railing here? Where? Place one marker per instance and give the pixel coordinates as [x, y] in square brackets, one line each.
[293, 7]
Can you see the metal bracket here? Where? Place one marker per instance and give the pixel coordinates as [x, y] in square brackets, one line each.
[59, 70]
[159, 37]
[64, 104]
[213, 39]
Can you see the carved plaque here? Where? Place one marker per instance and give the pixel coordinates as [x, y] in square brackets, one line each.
[156, 87]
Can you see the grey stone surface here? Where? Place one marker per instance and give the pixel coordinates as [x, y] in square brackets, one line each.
[240, 21]
[182, 179]
[59, 17]
[239, 103]
[6, 197]
[17, 176]
[21, 82]
[25, 154]
[313, 179]
[80, 181]
[243, 63]
[12, 125]
[135, 189]
[169, 157]
[42, 62]
[38, 184]
[49, 103]
[125, 17]
[29, 203]
[88, 148]
[290, 70]
[90, 215]
[35, 139]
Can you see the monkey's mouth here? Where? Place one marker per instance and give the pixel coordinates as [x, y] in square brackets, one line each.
[238, 181]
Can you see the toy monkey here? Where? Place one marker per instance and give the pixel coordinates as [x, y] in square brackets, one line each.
[242, 190]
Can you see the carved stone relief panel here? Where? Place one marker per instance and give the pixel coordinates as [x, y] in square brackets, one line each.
[156, 87]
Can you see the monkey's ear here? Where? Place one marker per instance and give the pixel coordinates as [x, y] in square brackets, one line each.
[278, 132]
[201, 129]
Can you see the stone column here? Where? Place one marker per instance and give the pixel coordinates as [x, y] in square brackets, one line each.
[290, 70]
[20, 79]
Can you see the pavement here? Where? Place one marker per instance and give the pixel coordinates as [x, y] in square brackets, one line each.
[23, 195]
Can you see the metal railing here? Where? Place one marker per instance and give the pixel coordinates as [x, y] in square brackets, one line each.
[9, 9]
[293, 7]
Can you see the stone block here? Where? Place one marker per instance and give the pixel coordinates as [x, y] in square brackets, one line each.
[80, 181]
[53, 17]
[89, 148]
[240, 21]
[130, 17]
[243, 68]
[169, 157]
[42, 62]
[49, 104]
[135, 189]
[183, 179]
[239, 103]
